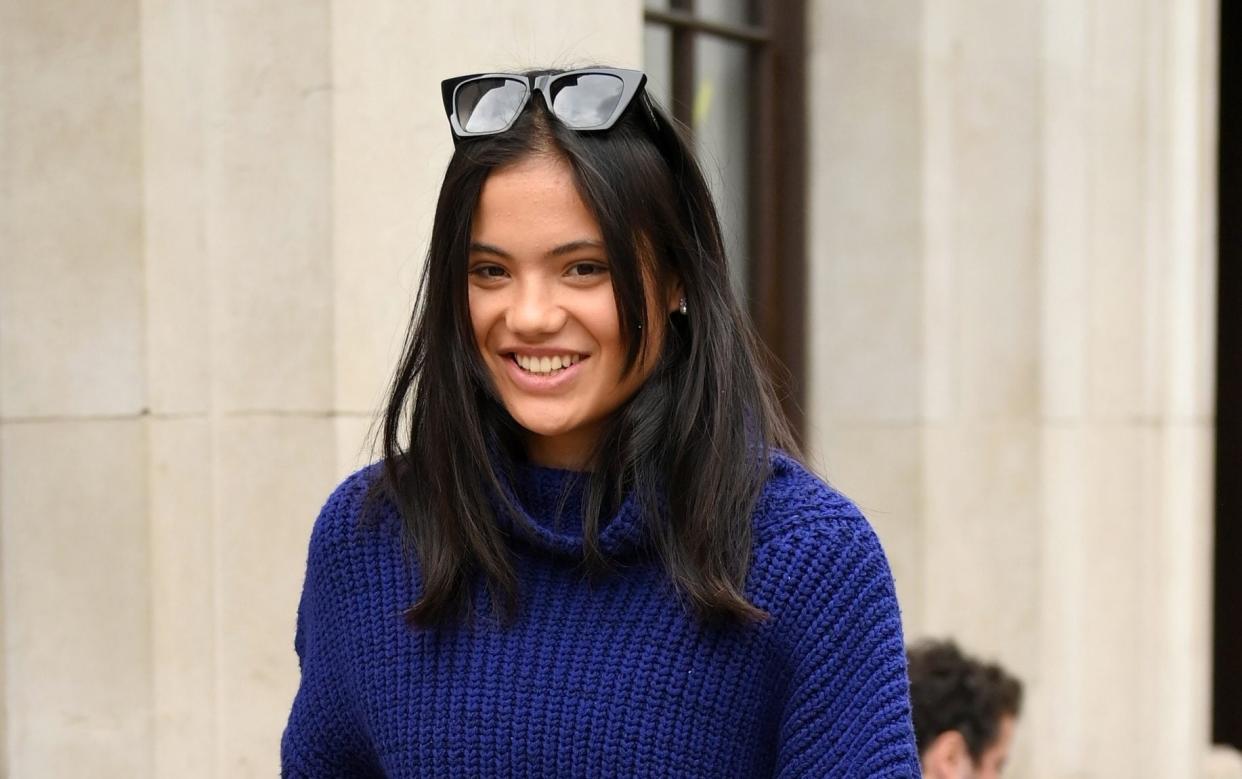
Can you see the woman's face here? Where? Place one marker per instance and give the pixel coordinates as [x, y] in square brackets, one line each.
[543, 312]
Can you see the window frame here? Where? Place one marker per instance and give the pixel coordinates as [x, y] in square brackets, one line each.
[776, 271]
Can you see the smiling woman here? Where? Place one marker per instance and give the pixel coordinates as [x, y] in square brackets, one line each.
[590, 548]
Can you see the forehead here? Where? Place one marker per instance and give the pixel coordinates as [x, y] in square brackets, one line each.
[532, 204]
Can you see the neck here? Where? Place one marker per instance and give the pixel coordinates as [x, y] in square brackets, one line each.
[569, 451]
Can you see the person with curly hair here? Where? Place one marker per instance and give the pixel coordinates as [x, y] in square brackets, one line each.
[965, 711]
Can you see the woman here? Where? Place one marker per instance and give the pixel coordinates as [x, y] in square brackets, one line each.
[590, 549]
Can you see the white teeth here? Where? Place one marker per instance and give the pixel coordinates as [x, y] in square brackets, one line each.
[546, 365]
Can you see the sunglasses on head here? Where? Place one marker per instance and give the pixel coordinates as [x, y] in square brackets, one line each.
[586, 100]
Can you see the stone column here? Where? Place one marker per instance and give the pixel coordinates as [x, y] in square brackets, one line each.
[239, 265]
[1128, 278]
[1013, 209]
[74, 552]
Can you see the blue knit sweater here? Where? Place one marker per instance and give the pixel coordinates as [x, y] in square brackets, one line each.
[613, 679]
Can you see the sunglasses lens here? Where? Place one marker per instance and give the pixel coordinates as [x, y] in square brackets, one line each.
[488, 105]
[586, 100]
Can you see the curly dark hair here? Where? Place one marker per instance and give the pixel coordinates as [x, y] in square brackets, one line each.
[953, 691]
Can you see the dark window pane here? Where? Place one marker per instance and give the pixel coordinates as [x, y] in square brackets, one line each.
[722, 139]
[658, 63]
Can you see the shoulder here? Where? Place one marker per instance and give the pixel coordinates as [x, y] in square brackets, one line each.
[795, 502]
[813, 547]
[339, 524]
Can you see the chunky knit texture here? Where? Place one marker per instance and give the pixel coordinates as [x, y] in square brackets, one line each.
[611, 679]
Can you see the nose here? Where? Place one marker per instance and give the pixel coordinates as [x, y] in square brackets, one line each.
[534, 310]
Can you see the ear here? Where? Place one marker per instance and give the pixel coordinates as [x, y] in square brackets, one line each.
[946, 756]
[675, 293]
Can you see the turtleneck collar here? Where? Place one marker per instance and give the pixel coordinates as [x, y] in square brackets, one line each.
[549, 505]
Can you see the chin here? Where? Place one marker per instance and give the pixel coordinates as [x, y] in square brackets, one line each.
[542, 424]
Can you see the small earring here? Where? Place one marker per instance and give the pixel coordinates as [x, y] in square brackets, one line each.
[682, 307]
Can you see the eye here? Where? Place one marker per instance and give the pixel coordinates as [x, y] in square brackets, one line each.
[487, 272]
[587, 269]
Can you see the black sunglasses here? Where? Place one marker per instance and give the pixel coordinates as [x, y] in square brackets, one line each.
[590, 99]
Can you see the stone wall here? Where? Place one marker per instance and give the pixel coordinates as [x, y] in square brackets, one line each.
[1014, 267]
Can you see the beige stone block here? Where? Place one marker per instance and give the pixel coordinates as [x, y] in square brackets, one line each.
[1123, 266]
[979, 541]
[865, 303]
[1188, 103]
[175, 217]
[268, 147]
[374, 309]
[391, 144]
[1132, 518]
[978, 127]
[77, 603]
[997, 341]
[1182, 568]
[530, 35]
[1123, 589]
[880, 468]
[357, 441]
[1188, 368]
[940, 337]
[1101, 589]
[182, 589]
[994, 153]
[1222, 762]
[980, 537]
[272, 475]
[71, 307]
[1057, 717]
[1064, 216]
[866, 345]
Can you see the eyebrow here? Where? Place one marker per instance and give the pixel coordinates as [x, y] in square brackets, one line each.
[563, 249]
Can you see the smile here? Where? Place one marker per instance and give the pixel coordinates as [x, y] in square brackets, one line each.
[545, 366]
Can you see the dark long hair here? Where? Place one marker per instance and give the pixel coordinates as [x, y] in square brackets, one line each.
[693, 443]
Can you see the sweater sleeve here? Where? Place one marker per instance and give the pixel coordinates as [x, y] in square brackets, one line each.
[322, 737]
[846, 709]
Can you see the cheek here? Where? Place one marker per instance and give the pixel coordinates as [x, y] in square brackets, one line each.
[480, 318]
[597, 315]
[626, 384]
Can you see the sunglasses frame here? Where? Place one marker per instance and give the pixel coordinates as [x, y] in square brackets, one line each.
[632, 83]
